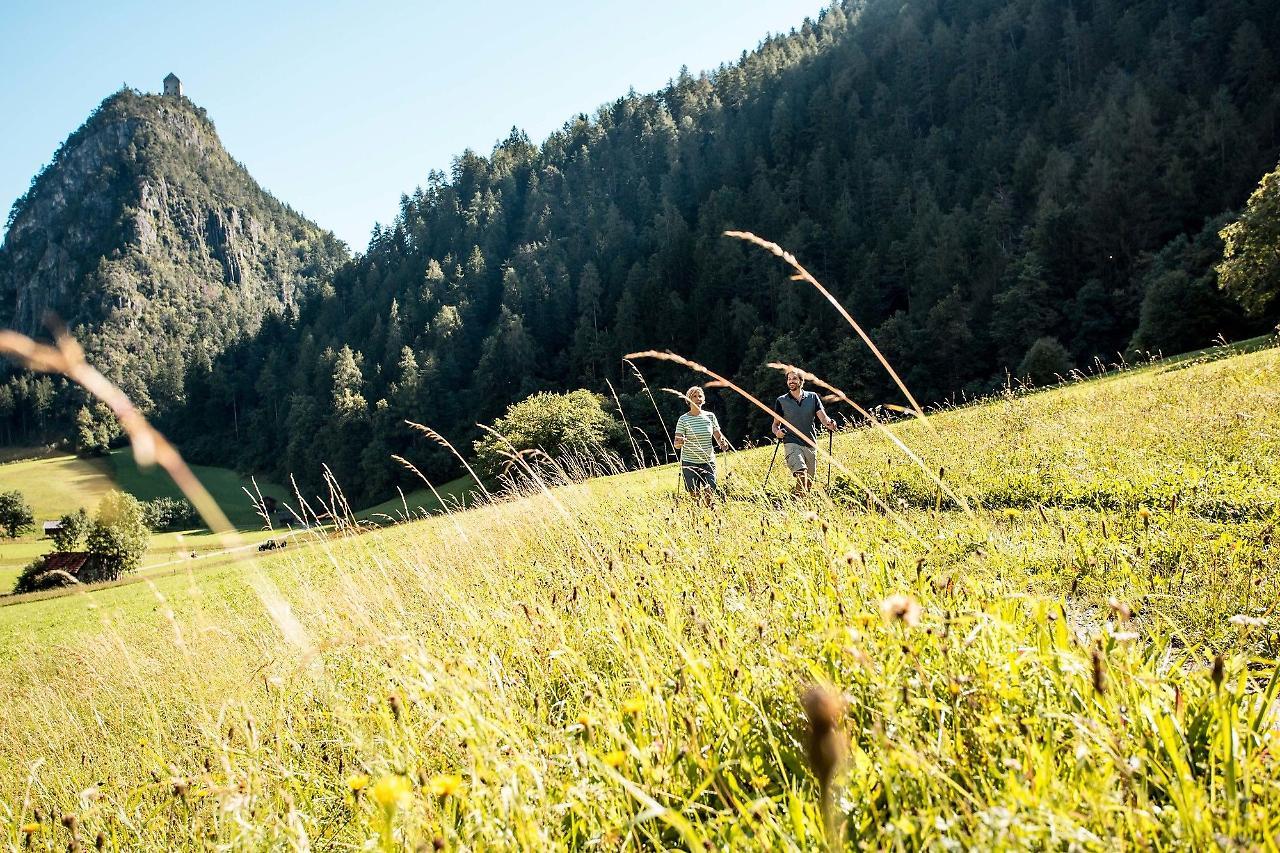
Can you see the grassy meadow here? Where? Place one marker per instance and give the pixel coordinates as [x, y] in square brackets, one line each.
[1068, 642]
[56, 483]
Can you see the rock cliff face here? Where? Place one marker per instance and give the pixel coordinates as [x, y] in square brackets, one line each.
[155, 246]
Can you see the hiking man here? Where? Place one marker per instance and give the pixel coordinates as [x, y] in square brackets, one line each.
[799, 408]
[694, 434]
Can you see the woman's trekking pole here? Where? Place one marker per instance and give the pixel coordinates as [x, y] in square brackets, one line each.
[830, 441]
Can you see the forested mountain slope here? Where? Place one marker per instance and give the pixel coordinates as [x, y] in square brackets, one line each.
[156, 247]
[969, 177]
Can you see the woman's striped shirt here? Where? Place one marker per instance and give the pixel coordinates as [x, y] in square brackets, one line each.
[697, 431]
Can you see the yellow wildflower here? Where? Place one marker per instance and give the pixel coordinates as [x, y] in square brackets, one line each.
[445, 785]
[30, 828]
[358, 782]
[616, 758]
[633, 706]
[390, 791]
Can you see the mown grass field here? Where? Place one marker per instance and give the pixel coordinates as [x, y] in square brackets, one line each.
[56, 484]
[1082, 656]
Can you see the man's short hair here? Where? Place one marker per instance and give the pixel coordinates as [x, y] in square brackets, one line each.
[796, 373]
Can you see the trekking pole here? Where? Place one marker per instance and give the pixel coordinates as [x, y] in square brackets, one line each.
[830, 441]
[777, 442]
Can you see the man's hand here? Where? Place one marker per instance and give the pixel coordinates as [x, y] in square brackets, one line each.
[830, 425]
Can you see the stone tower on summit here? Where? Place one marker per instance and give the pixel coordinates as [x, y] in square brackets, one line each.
[172, 85]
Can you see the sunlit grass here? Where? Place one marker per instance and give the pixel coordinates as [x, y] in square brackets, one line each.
[1086, 660]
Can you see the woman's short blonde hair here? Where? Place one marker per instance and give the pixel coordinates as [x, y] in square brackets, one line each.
[693, 388]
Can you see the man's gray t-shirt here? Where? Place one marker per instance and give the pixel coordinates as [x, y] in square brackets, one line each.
[801, 414]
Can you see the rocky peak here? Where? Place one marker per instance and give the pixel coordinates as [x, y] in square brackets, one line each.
[144, 234]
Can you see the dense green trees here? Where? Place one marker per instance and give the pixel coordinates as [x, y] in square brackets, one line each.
[969, 178]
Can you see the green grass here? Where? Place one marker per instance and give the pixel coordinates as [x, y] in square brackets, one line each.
[1083, 657]
[56, 485]
[226, 486]
[456, 492]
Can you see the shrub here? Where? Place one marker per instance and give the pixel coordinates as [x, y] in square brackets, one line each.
[15, 514]
[1045, 361]
[555, 423]
[119, 534]
[74, 527]
[169, 514]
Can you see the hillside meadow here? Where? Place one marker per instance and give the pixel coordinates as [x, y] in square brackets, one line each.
[58, 483]
[1070, 642]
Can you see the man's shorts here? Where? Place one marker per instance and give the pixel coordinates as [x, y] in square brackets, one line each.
[801, 459]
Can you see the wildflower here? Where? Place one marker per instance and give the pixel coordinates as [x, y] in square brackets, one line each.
[445, 785]
[390, 791]
[615, 759]
[633, 706]
[781, 560]
[901, 608]
[1011, 513]
[1144, 514]
[30, 828]
[357, 783]
[1240, 620]
[1122, 610]
[826, 744]
[1099, 672]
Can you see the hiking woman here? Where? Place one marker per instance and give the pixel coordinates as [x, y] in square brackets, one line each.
[696, 431]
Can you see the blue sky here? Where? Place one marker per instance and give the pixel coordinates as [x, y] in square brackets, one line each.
[337, 108]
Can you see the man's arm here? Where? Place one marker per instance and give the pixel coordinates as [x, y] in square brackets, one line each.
[777, 419]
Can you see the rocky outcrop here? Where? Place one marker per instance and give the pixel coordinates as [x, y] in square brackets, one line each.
[145, 235]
